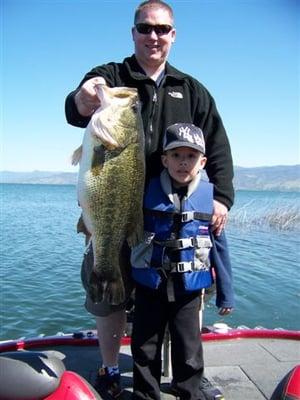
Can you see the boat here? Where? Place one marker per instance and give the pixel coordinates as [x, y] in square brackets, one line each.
[244, 363]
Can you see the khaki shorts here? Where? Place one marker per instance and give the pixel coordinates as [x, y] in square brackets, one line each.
[103, 308]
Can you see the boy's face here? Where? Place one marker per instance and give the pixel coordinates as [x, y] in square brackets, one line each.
[183, 164]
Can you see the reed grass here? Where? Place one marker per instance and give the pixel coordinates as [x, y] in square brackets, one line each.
[281, 216]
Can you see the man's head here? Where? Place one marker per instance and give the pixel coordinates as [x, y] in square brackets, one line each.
[152, 5]
[153, 33]
[184, 149]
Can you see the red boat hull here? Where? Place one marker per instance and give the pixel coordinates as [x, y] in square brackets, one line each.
[90, 338]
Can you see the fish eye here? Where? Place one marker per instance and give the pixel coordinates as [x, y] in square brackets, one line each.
[135, 107]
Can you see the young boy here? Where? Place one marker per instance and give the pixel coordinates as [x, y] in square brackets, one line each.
[173, 265]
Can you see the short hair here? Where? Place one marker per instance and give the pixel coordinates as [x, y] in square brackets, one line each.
[152, 4]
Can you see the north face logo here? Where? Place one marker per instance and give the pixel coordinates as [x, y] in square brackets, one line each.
[176, 95]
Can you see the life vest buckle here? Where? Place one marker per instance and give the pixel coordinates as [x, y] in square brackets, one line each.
[187, 216]
[182, 266]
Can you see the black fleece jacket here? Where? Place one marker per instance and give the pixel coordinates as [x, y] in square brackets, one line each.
[178, 98]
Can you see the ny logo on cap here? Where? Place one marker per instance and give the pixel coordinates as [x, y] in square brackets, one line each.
[184, 132]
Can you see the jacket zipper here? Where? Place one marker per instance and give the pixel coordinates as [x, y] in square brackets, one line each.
[154, 102]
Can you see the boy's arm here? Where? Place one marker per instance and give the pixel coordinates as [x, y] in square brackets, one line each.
[221, 261]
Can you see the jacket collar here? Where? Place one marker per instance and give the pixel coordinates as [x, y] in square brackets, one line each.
[137, 72]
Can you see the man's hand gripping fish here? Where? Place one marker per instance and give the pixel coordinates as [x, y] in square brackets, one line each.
[111, 186]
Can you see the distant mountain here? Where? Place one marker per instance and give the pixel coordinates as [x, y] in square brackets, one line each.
[39, 177]
[281, 177]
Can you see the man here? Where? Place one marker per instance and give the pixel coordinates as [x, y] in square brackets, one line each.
[167, 96]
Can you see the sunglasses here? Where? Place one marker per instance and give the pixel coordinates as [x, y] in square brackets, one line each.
[160, 30]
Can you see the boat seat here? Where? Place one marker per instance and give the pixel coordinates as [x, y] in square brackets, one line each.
[36, 371]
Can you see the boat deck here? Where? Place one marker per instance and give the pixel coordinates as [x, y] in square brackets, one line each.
[244, 369]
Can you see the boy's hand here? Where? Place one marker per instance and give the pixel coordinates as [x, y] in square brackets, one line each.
[225, 310]
[219, 217]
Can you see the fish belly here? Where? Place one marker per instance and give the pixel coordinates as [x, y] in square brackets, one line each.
[83, 178]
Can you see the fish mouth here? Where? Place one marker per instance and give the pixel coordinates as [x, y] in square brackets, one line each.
[106, 139]
[99, 88]
[102, 134]
[104, 119]
[105, 92]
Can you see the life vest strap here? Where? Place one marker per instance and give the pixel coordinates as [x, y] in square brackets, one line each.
[185, 216]
[170, 267]
[198, 242]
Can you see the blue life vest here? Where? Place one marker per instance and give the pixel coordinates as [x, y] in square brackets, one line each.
[177, 236]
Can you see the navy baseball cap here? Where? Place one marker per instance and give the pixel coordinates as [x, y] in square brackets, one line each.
[184, 135]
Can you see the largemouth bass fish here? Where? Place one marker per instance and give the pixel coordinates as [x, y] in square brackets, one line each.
[111, 186]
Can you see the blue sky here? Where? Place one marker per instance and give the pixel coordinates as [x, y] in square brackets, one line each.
[246, 52]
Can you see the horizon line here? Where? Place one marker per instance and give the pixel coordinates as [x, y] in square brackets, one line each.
[73, 172]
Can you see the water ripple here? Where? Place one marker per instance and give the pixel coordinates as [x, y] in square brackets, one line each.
[41, 256]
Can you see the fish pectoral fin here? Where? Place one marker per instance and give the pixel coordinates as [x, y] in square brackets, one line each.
[76, 156]
[98, 156]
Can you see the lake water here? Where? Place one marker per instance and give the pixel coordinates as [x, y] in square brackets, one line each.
[41, 256]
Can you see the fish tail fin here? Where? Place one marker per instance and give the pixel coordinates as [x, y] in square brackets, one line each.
[96, 288]
[110, 281]
[115, 292]
[76, 156]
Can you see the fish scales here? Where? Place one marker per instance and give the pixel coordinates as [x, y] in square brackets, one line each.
[111, 186]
